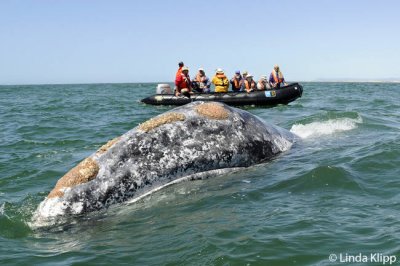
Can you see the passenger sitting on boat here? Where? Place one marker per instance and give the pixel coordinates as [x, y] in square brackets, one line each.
[220, 81]
[276, 78]
[237, 81]
[201, 82]
[262, 84]
[249, 83]
[182, 83]
[244, 75]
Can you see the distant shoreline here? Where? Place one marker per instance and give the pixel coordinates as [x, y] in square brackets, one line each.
[157, 82]
[357, 81]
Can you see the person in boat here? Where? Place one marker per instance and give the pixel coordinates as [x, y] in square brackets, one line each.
[201, 82]
[237, 82]
[276, 78]
[179, 71]
[220, 81]
[262, 84]
[244, 75]
[182, 83]
[249, 84]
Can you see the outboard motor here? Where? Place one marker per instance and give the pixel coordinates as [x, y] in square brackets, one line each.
[163, 89]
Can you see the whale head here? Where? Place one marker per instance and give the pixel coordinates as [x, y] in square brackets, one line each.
[183, 143]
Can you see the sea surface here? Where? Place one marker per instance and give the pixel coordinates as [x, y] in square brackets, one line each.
[334, 195]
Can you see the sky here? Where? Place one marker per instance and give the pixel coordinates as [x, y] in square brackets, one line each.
[87, 41]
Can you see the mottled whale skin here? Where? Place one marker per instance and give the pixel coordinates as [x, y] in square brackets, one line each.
[183, 143]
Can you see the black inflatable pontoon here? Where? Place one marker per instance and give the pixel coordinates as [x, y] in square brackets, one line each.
[283, 95]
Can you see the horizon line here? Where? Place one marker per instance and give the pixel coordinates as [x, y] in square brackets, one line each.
[158, 82]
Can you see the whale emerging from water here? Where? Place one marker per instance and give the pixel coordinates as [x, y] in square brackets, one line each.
[189, 142]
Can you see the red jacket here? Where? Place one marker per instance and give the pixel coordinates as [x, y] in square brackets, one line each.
[182, 82]
[179, 72]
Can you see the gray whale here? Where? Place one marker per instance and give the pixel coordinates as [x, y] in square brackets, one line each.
[185, 143]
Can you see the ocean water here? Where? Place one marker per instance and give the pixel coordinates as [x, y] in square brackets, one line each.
[333, 196]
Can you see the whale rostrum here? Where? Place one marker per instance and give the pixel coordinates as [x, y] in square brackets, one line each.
[184, 143]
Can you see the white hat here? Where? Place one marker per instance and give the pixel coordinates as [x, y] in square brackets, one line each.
[219, 70]
[264, 77]
[201, 69]
[185, 68]
[249, 76]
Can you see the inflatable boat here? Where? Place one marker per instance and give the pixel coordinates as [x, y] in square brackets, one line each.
[283, 95]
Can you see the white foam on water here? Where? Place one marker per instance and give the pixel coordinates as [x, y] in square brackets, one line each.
[316, 129]
[2, 209]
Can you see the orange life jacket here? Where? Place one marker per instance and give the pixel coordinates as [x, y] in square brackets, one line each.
[249, 85]
[236, 83]
[277, 78]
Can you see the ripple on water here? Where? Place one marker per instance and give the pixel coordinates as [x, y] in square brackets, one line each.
[319, 179]
[330, 194]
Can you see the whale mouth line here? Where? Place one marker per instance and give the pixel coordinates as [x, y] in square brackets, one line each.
[196, 176]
